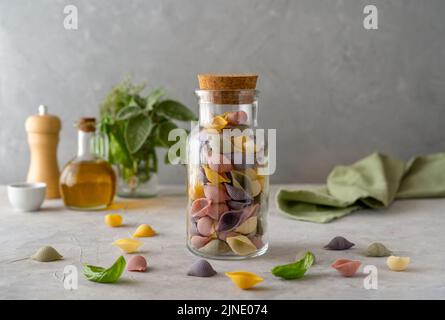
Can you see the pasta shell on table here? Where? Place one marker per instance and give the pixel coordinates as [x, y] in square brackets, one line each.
[201, 268]
[237, 193]
[113, 220]
[206, 226]
[219, 163]
[199, 241]
[214, 177]
[46, 254]
[216, 193]
[241, 245]
[238, 205]
[346, 267]
[247, 226]
[377, 249]
[128, 245]
[339, 243]
[236, 117]
[397, 263]
[144, 230]
[229, 220]
[137, 264]
[215, 247]
[243, 279]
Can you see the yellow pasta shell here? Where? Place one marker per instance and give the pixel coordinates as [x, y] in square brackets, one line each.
[248, 226]
[243, 279]
[241, 245]
[217, 123]
[397, 263]
[196, 191]
[113, 220]
[144, 230]
[128, 245]
[214, 177]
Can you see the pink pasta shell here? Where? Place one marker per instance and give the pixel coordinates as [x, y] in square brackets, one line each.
[215, 193]
[236, 118]
[200, 207]
[219, 163]
[346, 267]
[199, 242]
[205, 226]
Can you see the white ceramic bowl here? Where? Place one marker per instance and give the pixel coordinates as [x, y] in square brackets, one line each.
[27, 196]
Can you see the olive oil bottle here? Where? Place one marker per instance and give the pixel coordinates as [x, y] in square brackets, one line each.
[87, 182]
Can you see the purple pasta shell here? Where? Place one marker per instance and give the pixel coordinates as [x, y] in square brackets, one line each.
[238, 205]
[201, 268]
[229, 220]
[339, 243]
[237, 194]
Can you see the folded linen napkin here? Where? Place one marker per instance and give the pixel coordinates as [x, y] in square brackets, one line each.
[372, 182]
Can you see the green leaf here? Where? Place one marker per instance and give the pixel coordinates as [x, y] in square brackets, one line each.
[295, 270]
[154, 98]
[162, 133]
[174, 110]
[102, 275]
[137, 131]
[128, 112]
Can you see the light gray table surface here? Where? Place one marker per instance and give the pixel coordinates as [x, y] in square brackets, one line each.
[415, 228]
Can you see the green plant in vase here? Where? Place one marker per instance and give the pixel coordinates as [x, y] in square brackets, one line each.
[136, 125]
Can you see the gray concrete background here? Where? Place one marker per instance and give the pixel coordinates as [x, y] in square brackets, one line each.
[334, 90]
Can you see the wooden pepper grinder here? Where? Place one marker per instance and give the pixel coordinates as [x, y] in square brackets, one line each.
[43, 137]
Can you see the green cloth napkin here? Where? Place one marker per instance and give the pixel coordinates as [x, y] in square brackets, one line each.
[372, 182]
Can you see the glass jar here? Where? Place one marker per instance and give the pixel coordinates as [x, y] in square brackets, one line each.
[88, 182]
[228, 195]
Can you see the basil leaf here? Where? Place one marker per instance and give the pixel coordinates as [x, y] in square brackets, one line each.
[154, 98]
[102, 275]
[162, 133]
[174, 110]
[137, 131]
[128, 112]
[295, 270]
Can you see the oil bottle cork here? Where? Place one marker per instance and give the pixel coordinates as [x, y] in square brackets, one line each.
[43, 138]
[229, 88]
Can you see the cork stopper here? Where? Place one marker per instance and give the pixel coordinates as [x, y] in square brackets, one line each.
[87, 124]
[228, 88]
